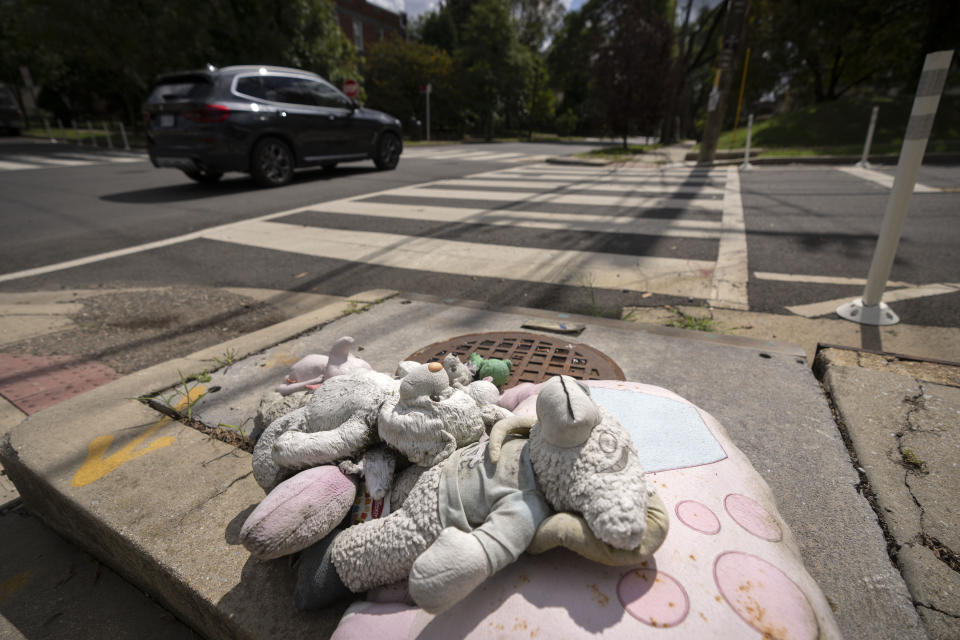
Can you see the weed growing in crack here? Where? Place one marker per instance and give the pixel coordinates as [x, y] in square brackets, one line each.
[693, 322]
[239, 429]
[911, 460]
[355, 307]
[229, 357]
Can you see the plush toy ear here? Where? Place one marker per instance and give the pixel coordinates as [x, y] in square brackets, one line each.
[298, 512]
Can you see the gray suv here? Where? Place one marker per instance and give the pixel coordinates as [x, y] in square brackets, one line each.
[265, 121]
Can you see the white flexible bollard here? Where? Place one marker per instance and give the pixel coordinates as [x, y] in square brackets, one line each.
[869, 141]
[123, 134]
[746, 151]
[869, 309]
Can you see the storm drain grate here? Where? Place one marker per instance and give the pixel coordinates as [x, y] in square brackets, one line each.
[535, 357]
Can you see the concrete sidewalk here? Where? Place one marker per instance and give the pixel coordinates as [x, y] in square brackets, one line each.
[161, 503]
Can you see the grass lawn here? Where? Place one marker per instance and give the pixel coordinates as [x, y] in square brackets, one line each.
[82, 136]
[840, 127]
[617, 153]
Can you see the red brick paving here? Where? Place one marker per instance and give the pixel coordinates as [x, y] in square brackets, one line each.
[33, 383]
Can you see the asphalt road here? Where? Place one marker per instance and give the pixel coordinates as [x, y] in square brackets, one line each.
[481, 213]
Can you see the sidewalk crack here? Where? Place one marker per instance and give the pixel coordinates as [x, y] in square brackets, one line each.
[219, 493]
[933, 608]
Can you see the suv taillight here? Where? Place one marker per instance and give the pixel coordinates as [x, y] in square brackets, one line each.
[208, 113]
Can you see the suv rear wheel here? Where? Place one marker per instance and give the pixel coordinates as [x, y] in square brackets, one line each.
[271, 163]
[203, 176]
[388, 151]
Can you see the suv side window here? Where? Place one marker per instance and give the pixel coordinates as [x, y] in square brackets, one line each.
[289, 90]
[327, 96]
[252, 86]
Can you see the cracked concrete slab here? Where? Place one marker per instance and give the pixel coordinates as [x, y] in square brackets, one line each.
[905, 434]
[933, 436]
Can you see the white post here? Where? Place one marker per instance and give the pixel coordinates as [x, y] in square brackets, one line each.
[866, 145]
[93, 142]
[746, 150]
[106, 130]
[123, 134]
[46, 124]
[429, 87]
[869, 309]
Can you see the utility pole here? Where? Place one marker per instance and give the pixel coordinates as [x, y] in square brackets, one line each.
[732, 32]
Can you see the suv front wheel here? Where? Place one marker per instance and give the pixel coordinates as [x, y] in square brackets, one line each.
[271, 163]
[388, 151]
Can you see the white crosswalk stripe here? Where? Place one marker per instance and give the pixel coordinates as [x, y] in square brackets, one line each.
[439, 202]
[433, 153]
[65, 158]
[676, 232]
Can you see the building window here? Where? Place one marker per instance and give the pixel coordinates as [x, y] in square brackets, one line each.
[358, 34]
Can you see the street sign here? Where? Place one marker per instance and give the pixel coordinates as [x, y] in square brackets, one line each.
[351, 88]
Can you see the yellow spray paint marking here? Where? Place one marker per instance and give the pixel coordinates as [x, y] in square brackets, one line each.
[280, 359]
[11, 585]
[98, 464]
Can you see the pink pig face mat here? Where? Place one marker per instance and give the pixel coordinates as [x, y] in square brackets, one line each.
[728, 568]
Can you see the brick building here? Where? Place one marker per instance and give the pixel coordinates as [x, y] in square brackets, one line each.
[365, 23]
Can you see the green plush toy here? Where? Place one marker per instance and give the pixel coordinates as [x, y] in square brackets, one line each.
[498, 370]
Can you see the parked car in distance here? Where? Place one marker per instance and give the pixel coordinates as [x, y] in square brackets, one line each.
[262, 120]
[11, 118]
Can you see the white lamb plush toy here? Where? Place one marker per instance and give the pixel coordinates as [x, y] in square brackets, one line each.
[475, 513]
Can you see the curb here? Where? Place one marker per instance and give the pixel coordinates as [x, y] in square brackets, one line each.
[169, 521]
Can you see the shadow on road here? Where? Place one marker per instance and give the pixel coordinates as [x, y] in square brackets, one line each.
[234, 183]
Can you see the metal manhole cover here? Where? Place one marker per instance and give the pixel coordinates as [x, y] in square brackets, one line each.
[535, 357]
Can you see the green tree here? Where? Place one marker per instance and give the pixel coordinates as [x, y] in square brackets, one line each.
[396, 70]
[493, 62]
[100, 57]
[537, 20]
[823, 49]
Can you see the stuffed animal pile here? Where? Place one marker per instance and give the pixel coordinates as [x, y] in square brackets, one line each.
[442, 504]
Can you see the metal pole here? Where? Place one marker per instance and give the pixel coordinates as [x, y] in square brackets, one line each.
[93, 142]
[46, 124]
[76, 133]
[106, 130]
[717, 101]
[866, 145]
[429, 87]
[746, 151]
[869, 309]
[123, 134]
[60, 126]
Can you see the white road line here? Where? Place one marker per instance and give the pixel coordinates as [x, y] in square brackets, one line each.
[730, 275]
[827, 307]
[148, 246]
[511, 174]
[598, 223]
[51, 161]
[883, 179]
[16, 166]
[577, 199]
[811, 279]
[609, 185]
[574, 268]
